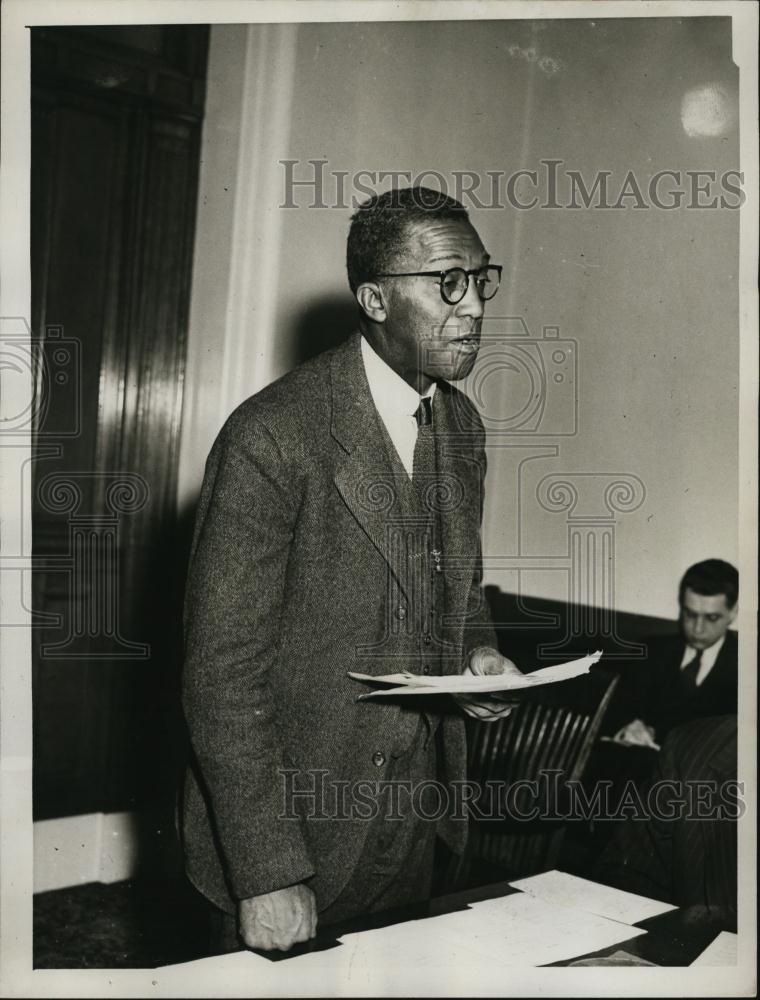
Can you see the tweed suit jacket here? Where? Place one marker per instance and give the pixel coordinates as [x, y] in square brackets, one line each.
[297, 577]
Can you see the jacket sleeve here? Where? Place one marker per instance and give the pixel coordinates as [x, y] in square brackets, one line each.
[243, 532]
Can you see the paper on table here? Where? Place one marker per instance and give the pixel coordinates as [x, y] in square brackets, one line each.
[515, 930]
[722, 951]
[476, 684]
[581, 894]
[455, 954]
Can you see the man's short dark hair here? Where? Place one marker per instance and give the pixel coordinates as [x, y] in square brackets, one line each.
[380, 228]
[711, 577]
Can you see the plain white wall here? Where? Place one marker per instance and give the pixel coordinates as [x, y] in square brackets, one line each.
[650, 296]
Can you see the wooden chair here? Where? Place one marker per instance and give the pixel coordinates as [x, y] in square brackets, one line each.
[553, 730]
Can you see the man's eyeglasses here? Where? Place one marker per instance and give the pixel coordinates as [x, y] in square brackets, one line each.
[455, 281]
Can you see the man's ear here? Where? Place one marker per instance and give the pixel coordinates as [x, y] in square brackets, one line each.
[372, 301]
[733, 613]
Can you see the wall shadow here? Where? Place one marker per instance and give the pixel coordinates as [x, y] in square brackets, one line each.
[157, 746]
[323, 325]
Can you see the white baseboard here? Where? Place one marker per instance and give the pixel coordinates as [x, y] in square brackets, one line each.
[73, 850]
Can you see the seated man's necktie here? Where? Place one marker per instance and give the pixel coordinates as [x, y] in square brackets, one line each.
[691, 670]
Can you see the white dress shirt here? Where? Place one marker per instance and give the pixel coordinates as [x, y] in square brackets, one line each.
[396, 402]
[709, 656]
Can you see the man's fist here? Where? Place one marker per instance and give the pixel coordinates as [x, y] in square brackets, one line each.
[488, 707]
[278, 919]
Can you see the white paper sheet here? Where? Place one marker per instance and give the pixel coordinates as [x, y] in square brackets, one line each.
[516, 931]
[405, 683]
[722, 951]
[579, 893]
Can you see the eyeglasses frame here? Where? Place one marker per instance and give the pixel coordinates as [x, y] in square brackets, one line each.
[440, 275]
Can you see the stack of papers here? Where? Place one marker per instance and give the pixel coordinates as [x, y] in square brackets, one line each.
[406, 683]
[456, 953]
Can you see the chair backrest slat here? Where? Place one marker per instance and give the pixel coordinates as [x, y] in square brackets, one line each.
[536, 737]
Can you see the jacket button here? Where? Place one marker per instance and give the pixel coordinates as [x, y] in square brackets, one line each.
[426, 670]
[401, 613]
[428, 639]
[378, 758]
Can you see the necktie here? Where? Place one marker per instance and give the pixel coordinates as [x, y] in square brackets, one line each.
[424, 470]
[423, 463]
[425, 481]
[424, 474]
[690, 671]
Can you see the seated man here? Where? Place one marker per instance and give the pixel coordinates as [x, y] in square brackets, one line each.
[693, 674]
[684, 851]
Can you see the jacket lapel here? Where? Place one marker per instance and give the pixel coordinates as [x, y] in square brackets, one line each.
[366, 477]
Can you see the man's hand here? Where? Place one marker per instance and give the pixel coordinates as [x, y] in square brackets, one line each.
[637, 733]
[278, 919]
[488, 707]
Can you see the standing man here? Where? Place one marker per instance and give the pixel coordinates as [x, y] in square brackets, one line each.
[694, 674]
[339, 530]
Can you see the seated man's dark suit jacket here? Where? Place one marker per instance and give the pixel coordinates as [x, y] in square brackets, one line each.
[655, 691]
[686, 860]
[296, 578]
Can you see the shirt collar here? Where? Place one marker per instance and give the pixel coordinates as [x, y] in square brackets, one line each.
[389, 391]
[709, 656]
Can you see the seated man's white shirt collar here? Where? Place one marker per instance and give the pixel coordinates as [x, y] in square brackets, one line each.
[709, 656]
[396, 402]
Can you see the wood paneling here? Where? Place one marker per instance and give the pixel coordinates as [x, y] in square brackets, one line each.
[115, 147]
